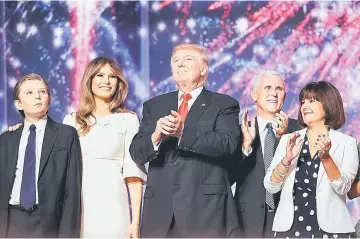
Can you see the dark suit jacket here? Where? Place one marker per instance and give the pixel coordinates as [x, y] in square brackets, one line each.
[250, 192]
[189, 180]
[59, 181]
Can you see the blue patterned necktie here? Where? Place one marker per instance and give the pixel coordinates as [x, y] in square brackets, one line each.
[28, 193]
[269, 146]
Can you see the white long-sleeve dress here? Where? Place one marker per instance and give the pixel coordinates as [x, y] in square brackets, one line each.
[106, 163]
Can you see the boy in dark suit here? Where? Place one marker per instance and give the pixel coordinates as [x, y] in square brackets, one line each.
[40, 169]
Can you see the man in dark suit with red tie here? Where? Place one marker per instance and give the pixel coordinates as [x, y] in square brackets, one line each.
[187, 137]
[40, 170]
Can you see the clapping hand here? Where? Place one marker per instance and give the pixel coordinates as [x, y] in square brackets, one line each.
[248, 131]
[323, 145]
[292, 148]
[281, 122]
[170, 125]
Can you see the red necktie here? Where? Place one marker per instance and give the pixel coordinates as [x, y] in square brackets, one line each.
[184, 107]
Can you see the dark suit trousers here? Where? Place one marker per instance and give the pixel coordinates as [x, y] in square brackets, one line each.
[23, 224]
[174, 231]
[268, 222]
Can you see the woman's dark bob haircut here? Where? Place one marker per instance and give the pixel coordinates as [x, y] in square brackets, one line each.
[329, 97]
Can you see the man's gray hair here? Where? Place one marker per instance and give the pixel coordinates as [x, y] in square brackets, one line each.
[263, 73]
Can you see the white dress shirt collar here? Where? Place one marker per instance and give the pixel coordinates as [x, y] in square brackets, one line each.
[40, 124]
[261, 123]
[194, 93]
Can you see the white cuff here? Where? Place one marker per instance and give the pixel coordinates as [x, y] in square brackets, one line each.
[247, 153]
[156, 147]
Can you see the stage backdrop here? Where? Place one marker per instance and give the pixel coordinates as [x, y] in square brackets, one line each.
[303, 40]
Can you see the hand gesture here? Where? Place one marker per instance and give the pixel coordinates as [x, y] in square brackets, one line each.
[14, 127]
[158, 136]
[173, 125]
[133, 231]
[281, 120]
[323, 145]
[292, 148]
[248, 131]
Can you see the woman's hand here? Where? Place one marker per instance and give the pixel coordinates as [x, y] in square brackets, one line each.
[292, 148]
[323, 145]
[133, 231]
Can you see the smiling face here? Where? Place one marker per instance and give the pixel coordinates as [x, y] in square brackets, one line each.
[189, 71]
[33, 99]
[104, 84]
[312, 112]
[269, 95]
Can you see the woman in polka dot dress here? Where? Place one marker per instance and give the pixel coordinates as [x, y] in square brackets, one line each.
[314, 169]
[305, 223]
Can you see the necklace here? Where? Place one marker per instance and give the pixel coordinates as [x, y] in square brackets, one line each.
[103, 123]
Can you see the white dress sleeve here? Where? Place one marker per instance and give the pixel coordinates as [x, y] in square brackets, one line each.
[69, 119]
[130, 168]
[348, 167]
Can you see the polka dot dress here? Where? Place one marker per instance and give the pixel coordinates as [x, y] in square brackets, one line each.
[305, 223]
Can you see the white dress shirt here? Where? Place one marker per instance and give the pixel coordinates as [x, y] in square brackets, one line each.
[194, 95]
[40, 130]
[262, 133]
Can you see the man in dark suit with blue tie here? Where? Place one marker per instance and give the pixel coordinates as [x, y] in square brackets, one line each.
[40, 170]
[187, 137]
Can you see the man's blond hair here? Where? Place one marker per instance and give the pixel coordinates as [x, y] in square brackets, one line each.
[204, 57]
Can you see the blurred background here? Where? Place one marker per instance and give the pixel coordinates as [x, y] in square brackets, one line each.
[302, 40]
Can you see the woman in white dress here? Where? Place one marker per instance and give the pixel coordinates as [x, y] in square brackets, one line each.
[110, 176]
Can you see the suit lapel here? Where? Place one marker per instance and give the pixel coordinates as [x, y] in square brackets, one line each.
[257, 144]
[13, 152]
[50, 136]
[334, 146]
[171, 103]
[200, 104]
[334, 142]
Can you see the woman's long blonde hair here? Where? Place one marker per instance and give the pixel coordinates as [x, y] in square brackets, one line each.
[87, 101]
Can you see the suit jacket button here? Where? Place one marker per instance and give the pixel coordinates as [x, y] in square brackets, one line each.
[175, 163]
[262, 205]
[6, 207]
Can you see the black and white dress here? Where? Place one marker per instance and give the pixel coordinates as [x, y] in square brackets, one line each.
[305, 223]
